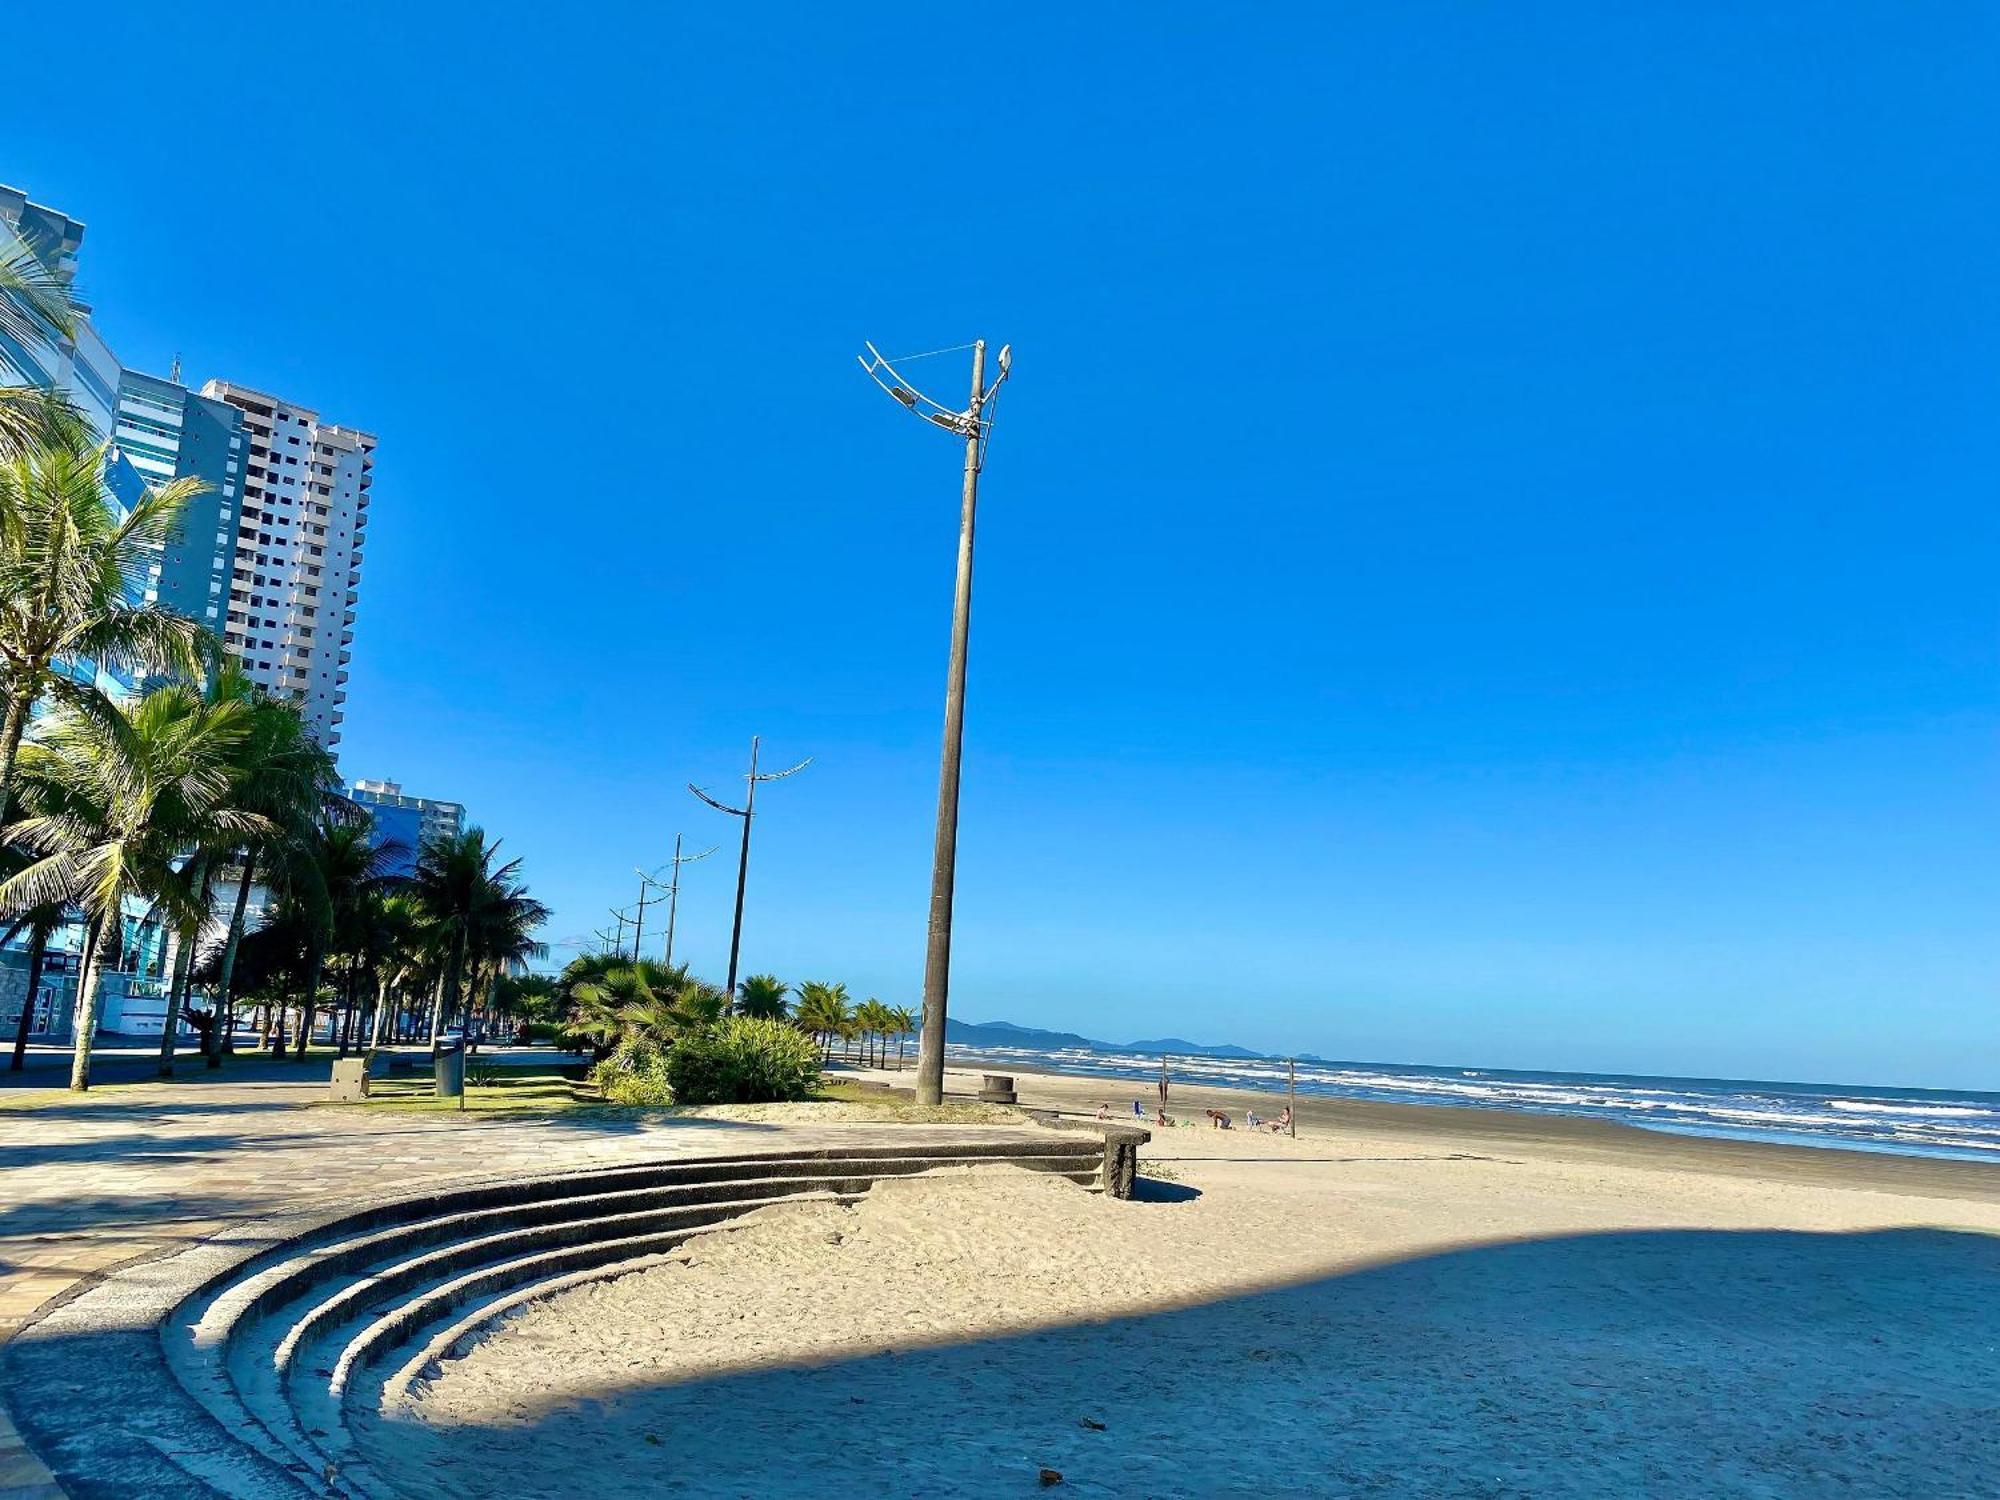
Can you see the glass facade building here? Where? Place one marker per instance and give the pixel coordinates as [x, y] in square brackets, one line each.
[407, 823]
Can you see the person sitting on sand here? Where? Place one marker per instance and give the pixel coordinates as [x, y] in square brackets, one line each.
[1250, 1120]
[1104, 1111]
[1283, 1123]
[1163, 1119]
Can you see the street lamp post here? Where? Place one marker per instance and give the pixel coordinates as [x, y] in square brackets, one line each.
[673, 889]
[747, 812]
[975, 425]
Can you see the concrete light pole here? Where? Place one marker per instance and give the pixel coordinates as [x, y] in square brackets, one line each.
[975, 425]
[747, 812]
[673, 889]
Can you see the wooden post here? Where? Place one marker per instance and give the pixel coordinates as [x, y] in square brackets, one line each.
[1292, 1095]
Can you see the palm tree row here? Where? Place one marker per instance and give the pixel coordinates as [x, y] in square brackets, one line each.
[604, 999]
[168, 809]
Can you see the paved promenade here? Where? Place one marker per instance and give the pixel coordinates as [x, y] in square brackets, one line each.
[131, 1171]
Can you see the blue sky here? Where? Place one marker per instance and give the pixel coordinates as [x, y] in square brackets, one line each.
[1488, 556]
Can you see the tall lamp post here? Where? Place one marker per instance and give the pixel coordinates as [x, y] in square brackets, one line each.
[673, 889]
[747, 812]
[975, 425]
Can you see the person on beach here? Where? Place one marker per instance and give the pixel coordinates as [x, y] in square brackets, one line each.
[1137, 1112]
[1283, 1123]
[1250, 1120]
[1104, 1110]
[1218, 1119]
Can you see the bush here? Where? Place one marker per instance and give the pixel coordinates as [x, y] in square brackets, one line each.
[742, 1060]
[634, 1073]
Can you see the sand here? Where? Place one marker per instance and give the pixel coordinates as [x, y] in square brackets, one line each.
[1403, 1301]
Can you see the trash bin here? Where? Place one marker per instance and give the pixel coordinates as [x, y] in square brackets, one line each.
[450, 1066]
[997, 1088]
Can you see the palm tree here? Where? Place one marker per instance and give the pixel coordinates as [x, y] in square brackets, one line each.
[352, 874]
[643, 1001]
[110, 806]
[502, 934]
[823, 1011]
[285, 776]
[65, 561]
[38, 309]
[762, 995]
[454, 882]
[41, 923]
[869, 1016]
[398, 942]
[904, 1021]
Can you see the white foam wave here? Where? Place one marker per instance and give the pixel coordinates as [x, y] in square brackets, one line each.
[1936, 1111]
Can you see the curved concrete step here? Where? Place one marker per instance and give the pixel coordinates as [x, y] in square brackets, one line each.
[166, 1342]
[395, 1269]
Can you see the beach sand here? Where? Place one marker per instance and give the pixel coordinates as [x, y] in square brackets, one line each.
[1402, 1301]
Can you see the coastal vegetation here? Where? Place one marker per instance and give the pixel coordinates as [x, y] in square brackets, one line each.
[195, 805]
[657, 1034]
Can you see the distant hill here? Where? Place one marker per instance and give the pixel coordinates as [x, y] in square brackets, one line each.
[1178, 1044]
[1007, 1034]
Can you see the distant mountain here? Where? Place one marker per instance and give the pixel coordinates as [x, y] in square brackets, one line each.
[1007, 1034]
[1178, 1044]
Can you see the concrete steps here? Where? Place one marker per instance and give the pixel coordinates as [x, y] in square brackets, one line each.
[282, 1347]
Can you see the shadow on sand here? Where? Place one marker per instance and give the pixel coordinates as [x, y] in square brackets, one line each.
[1629, 1364]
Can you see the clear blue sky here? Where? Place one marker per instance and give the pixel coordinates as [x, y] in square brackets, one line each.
[1489, 555]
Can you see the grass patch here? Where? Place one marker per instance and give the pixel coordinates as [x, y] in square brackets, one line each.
[521, 1091]
[535, 1090]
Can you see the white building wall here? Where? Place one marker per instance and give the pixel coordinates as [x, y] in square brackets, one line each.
[298, 553]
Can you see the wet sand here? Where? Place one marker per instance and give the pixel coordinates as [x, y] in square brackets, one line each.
[1572, 1138]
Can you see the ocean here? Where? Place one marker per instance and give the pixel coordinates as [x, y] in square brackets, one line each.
[1911, 1122]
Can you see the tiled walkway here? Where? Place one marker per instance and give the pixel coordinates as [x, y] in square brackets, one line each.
[90, 1182]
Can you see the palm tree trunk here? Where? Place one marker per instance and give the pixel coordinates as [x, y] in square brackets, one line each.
[381, 1010]
[309, 1002]
[90, 981]
[38, 947]
[11, 730]
[183, 957]
[437, 1013]
[346, 1026]
[177, 987]
[225, 999]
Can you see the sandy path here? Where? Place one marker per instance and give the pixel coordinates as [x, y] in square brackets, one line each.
[1362, 1311]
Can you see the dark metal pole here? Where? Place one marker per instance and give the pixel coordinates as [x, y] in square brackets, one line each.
[944, 856]
[743, 868]
[639, 922]
[673, 901]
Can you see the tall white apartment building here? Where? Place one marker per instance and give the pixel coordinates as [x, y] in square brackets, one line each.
[297, 574]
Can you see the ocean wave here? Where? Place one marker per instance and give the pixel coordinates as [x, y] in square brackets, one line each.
[1938, 1111]
[1792, 1113]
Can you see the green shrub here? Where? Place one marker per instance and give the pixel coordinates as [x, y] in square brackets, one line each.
[742, 1060]
[634, 1073]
